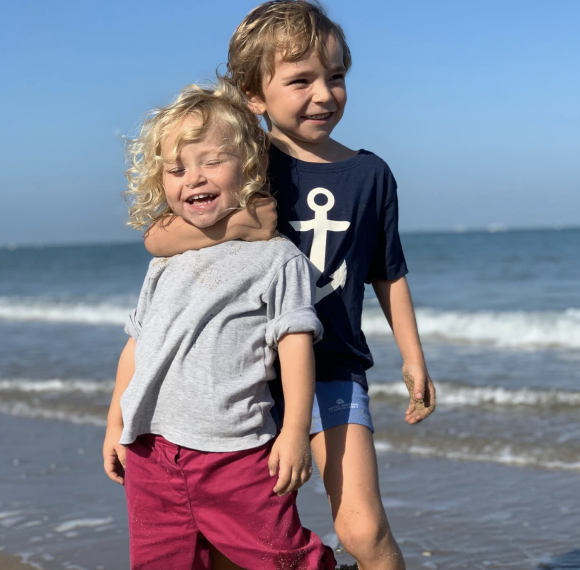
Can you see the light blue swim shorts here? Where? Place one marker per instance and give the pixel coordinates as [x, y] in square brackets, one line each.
[338, 402]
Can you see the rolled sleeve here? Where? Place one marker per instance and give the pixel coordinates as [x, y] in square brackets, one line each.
[299, 320]
[290, 302]
[133, 325]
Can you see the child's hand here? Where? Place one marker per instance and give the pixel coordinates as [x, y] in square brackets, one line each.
[114, 455]
[290, 458]
[421, 392]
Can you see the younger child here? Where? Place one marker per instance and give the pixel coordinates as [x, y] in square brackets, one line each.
[339, 206]
[191, 402]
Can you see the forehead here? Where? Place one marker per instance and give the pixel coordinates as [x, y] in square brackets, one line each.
[332, 58]
[185, 130]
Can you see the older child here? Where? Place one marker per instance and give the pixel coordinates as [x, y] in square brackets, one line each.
[191, 401]
[339, 206]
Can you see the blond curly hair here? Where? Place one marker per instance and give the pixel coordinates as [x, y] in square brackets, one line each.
[220, 104]
[292, 28]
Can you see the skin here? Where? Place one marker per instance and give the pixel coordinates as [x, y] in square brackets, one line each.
[256, 222]
[204, 167]
[115, 454]
[294, 92]
[297, 90]
[395, 300]
[290, 460]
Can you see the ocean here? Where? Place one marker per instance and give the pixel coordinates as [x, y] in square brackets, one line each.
[499, 318]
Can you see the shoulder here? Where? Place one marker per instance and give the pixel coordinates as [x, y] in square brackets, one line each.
[269, 257]
[379, 175]
[158, 264]
[375, 162]
[279, 250]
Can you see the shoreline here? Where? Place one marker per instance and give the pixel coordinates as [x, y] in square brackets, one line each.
[59, 509]
[12, 562]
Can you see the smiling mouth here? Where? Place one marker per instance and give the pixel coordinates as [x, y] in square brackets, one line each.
[319, 117]
[201, 199]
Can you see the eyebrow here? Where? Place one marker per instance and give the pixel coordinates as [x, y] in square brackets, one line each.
[297, 75]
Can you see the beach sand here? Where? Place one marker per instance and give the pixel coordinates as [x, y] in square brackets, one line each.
[10, 562]
[59, 511]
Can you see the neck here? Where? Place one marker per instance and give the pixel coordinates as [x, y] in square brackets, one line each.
[327, 150]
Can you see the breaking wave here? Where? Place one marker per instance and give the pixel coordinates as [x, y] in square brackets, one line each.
[461, 395]
[504, 329]
[62, 311]
[504, 455]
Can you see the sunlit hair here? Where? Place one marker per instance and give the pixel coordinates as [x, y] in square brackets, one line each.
[218, 105]
[292, 28]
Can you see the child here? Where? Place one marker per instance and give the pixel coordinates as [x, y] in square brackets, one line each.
[339, 206]
[191, 401]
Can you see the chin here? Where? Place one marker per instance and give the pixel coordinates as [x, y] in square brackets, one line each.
[205, 221]
[202, 223]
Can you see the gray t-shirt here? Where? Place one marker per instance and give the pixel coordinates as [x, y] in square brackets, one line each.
[207, 326]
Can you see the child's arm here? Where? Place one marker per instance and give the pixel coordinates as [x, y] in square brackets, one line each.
[173, 235]
[114, 453]
[290, 457]
[395, 300]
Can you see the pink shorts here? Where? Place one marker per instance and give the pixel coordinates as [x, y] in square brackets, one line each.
[181, 500]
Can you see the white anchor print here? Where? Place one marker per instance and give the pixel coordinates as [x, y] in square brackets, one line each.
[321, 225]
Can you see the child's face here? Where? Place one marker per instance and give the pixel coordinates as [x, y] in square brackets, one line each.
[202, 184]
[304, 100]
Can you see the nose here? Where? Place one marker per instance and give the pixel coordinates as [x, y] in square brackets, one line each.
[322, 92]
[195, 177]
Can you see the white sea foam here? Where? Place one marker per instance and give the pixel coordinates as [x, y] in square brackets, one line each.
[82, 523]
[9, 519]
[504, 456]
[460, 395]
[25, 410]
[504, 329]
[9, 514]
[331, 539]
[57, 386]
[54, 311]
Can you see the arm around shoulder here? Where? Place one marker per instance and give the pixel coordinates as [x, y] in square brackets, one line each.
[173, 235]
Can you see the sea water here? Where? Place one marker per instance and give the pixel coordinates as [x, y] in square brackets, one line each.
[486, 482]
[498, 314]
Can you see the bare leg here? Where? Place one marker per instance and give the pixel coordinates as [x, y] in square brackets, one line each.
[347, 461]
[221, 562]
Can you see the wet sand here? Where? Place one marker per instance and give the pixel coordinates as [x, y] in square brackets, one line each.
[9, 562]
[59, 510]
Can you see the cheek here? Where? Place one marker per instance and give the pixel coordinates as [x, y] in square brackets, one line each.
[235, 187]
[288, 102]
[340, 96]
[171, 195]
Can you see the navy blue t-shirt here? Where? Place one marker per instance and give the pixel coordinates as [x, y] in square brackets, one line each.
[344, 217]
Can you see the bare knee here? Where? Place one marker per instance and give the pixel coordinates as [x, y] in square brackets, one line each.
[363, 536]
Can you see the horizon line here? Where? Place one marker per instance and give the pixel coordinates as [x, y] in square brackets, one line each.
[457, 230]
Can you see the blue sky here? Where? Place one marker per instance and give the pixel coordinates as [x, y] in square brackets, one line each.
[474, 105]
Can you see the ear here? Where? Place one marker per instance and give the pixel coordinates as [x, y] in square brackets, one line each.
[256, 104]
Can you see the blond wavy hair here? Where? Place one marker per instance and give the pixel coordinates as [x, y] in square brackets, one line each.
[220, 104]
[292, 28]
